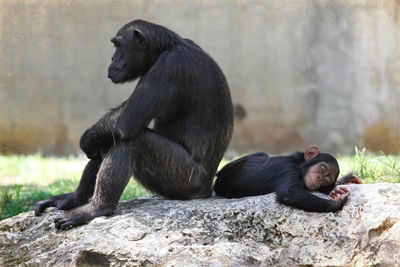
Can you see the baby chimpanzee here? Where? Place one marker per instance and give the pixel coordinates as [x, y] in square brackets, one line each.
[291, 177]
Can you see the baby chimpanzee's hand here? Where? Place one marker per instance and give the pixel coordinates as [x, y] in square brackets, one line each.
[340, 193]
[350, 178]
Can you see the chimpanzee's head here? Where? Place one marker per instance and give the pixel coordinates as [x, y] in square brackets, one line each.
[319, 169]
[137, 44]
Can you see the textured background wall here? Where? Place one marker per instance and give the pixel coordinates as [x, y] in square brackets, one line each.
[301, 72]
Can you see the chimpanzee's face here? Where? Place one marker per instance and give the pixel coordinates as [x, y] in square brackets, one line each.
[130, 59]
[320, 175]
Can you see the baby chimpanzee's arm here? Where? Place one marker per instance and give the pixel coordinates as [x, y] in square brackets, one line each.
[302, 199]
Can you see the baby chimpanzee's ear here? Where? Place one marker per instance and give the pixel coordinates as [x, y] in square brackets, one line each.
[311, 152]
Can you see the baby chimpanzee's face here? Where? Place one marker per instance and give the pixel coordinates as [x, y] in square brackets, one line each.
[320, 175]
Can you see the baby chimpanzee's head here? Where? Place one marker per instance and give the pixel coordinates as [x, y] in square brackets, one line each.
[319, 169]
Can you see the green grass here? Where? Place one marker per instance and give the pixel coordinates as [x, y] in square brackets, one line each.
[24, 180]
[371, 167]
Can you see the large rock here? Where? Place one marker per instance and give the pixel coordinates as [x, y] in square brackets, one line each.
[216, 232]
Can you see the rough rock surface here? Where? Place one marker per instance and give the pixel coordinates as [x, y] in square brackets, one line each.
[215, 232]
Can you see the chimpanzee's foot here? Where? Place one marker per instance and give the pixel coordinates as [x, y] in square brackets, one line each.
[61, 202]
[81, 215]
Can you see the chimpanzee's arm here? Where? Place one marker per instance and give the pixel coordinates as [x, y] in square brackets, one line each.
[149, 100]
[154, 95]
[302, 199]
[101, 135]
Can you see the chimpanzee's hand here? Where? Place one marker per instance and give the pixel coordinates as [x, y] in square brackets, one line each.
[340, 193]
[350, 178]
[87, 145]
[93, 143]
[340, 196]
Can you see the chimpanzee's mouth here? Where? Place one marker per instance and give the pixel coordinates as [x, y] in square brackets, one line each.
[112, 73]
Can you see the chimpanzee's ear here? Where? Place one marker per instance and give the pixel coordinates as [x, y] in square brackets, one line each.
[311, 152]
[139, 38]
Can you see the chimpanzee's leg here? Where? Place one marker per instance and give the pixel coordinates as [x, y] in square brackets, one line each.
[166, 168]
[112, 177]
[77, 198]
[159, 164]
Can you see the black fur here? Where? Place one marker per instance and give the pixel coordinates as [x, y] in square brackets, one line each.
[259, 174]
[184, 91]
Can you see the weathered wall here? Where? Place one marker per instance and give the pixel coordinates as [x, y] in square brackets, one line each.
[301, 72]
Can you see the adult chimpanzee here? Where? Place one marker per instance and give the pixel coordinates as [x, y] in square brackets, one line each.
[182, 88]
[291, 177]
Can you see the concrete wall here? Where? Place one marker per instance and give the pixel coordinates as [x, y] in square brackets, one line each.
[301, 72]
